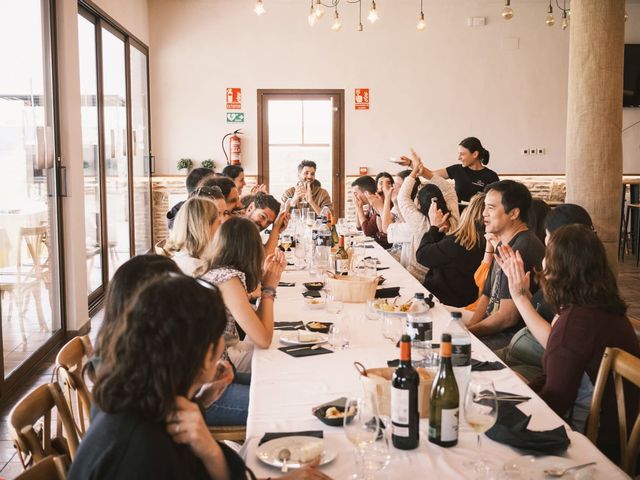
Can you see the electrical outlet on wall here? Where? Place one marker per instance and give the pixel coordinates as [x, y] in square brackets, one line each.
[525, 151]
[533, 151]
[541, 151]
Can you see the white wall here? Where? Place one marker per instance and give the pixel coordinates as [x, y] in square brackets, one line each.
[132, 15]
[428, 89]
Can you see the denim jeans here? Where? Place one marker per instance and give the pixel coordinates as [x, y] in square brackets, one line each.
[233, 406]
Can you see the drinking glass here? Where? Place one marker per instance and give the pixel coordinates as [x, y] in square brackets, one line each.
[362, 427]
[372, 313]
[285, 241]
[392, 327]
[341, 227]
[421, 353]
[480, 411]
[300, 252]
[370, 268]
[339, 335]
[310, 217]
[333, 305]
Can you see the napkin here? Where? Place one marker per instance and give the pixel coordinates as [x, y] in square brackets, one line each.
[382, 268]
[388, 292]
[311, 294]
[307, 433]
[305, 352]
[288, 326]
[511, 429]
[479, 366]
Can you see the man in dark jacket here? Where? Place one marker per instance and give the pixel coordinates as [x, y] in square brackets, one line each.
[192, 181]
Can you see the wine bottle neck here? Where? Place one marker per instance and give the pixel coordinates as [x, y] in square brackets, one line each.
[405, 353]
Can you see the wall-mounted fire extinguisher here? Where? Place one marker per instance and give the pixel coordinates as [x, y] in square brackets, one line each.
[235, 148]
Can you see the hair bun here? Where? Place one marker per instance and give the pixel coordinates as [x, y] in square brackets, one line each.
[485, 156]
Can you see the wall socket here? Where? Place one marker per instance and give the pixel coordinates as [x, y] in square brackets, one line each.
[534, 151]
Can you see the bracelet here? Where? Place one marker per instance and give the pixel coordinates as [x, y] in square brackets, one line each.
[268, 292]
[487, 251]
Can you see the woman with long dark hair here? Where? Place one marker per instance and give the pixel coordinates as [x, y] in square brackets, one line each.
[578, 283]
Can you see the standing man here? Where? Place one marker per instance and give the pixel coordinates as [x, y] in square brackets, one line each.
[506, 210]
[308, 189]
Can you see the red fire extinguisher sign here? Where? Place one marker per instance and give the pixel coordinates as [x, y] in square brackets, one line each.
[234, 99]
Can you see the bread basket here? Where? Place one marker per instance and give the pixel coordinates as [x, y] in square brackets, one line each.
[352, 289]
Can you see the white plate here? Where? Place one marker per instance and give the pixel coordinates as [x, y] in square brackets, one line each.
[532, 468]
[268, 451]
[291, 338]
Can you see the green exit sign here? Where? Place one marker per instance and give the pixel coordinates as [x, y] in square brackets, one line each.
[235, 117]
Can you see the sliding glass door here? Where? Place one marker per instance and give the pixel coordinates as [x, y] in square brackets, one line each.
[116, 147]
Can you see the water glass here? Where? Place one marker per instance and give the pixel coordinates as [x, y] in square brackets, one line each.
[372, 313]
[421, 353]
[310, 217]
[339, 335]
[333, 305]
[370, 268]
[480, 411]
[392, 327]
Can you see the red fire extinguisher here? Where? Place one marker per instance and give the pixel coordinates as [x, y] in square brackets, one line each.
[235, 148]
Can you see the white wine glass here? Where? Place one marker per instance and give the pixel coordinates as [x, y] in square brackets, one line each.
[285, 241]
[480, 412]
[362, 427]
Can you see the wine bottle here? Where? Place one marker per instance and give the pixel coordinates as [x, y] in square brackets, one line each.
[405, 416]
[342, 258]
[460, 350]
[445, 400]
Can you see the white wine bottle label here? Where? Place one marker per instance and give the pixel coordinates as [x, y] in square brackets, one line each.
[342, 266]
[399, 431]
[449, 426]
[400, 407]
[461, 354]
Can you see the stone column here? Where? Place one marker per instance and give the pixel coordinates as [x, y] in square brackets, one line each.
[594, 114]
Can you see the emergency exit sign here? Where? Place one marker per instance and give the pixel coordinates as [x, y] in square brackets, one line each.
[235, 117]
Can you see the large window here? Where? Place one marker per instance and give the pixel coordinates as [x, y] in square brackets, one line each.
[30, 296]
[116, 147]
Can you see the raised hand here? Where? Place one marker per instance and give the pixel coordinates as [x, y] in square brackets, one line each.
[274, 265]
[512, 265]
[186, 426]
[213, 390]
[437, 218]
[375, 201]
[357, 200]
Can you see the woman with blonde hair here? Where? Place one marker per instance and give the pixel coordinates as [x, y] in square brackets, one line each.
[453, 258]
[193, 229]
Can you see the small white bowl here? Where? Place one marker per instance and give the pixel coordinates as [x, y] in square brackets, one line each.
[315, 303]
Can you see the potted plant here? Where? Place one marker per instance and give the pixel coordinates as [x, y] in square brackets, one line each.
[208, 163]
[184, 165]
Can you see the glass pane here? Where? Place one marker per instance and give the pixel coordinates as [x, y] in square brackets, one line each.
[285, 122]
[318, 115]
[29, 291]
[140, 151]
[90, 158]
[317, 128]
[115, 149]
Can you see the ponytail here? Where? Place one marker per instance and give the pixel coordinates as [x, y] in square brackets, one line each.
[474, 145]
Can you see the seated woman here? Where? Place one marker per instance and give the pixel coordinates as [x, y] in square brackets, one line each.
[592, 316]
[193, 230]
[417, 217]
[236, 268]
[452, 259]
[147, 426]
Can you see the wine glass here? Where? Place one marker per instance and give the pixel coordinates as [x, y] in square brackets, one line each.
[392, 327]
[300, 252]
[285, 241]
[362, 427]
[339, 335]
[480, 412]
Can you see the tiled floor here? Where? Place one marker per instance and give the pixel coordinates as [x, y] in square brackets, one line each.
[629, 281]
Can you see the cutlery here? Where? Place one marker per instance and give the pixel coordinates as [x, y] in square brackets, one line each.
[284, 455]
[314, 347]
[559, 472]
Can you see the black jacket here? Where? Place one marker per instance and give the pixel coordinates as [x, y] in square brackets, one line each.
[171, 214]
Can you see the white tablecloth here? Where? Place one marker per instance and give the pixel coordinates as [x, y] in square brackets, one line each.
[284, 389]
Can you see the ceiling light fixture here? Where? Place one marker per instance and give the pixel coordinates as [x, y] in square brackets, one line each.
[421, 25]
[259, 8]
[336, 26]
[507, 11]
[551, 20]
[373, 12]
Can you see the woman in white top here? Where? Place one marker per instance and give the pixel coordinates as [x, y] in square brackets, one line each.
[437, 195]
[193, 230]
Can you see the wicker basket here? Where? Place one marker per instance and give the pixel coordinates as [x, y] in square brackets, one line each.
[352, 289]
[377, 381]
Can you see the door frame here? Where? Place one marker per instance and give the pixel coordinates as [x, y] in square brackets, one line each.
[338, 178]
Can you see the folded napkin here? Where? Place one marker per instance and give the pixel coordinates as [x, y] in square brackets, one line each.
[479, 366]
[511, 429]
[382, 268]
[305, 351]
[393, 363]
[307, 433]
[311, 294]
[369, 246]
[388, 292]
[288, 325]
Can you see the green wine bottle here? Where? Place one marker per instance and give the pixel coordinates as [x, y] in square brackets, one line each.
[445, 400]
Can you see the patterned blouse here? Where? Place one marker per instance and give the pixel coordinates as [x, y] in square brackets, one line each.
[219, 275]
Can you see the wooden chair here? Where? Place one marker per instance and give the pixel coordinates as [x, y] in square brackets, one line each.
[68, 372]
[625, 367]
[53, 467]
[234, 433]
[31, 421]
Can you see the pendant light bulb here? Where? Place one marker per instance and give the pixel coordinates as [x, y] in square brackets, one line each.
[319, 10]
[507, 11]
[565, 20]
[336, 22]
[421, 23]
[312, 18]
[259, 8]
[360, 27]
[550, 21]
[373, 13]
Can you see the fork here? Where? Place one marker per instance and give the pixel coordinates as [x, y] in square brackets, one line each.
[560, 472]
[313, 347]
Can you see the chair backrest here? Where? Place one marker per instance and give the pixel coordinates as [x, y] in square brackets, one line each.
[36, 242]
[31, 422]
[624, 367]
[68, 370]
[53, 467]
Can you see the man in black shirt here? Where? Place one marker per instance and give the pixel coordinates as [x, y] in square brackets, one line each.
[496, 318]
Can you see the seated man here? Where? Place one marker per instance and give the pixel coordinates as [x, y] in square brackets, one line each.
[262, 210]
[308, 189]
[229, 190]
[192, 181]
[364, 194]
[506, 210]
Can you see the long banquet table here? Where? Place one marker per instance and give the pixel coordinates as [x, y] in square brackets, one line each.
[284, 389]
